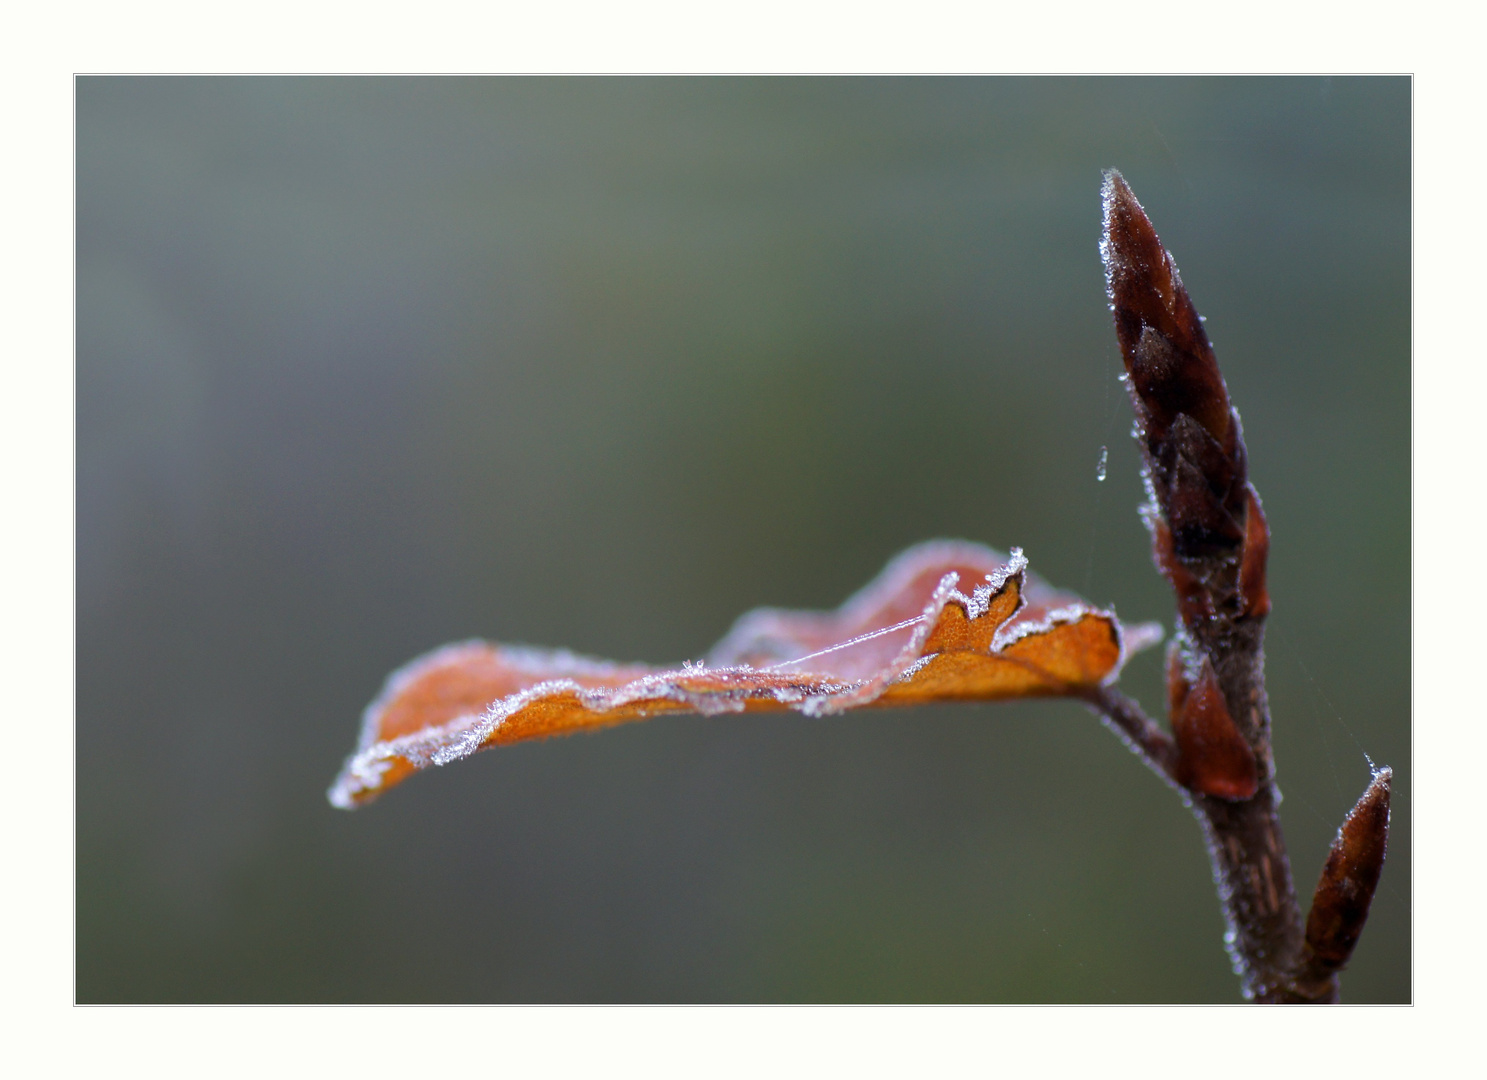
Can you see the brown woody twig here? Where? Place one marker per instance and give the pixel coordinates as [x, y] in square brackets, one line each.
[1210, 540]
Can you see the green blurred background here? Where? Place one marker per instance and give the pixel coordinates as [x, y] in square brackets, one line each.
[369, 365]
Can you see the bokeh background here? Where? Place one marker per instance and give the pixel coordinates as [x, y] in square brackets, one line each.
[369, 365]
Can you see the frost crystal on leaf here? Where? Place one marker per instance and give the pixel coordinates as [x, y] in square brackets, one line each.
[909, 637]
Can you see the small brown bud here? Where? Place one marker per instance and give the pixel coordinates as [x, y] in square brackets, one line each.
[1213, 758]
[1252, 589]
[1340, 906]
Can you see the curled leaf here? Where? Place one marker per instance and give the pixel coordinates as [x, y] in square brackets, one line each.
[911, 636]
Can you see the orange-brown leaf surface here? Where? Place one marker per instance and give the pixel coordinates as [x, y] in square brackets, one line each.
[911, 636]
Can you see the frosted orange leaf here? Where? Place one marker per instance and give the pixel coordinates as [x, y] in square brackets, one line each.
[910, 637]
